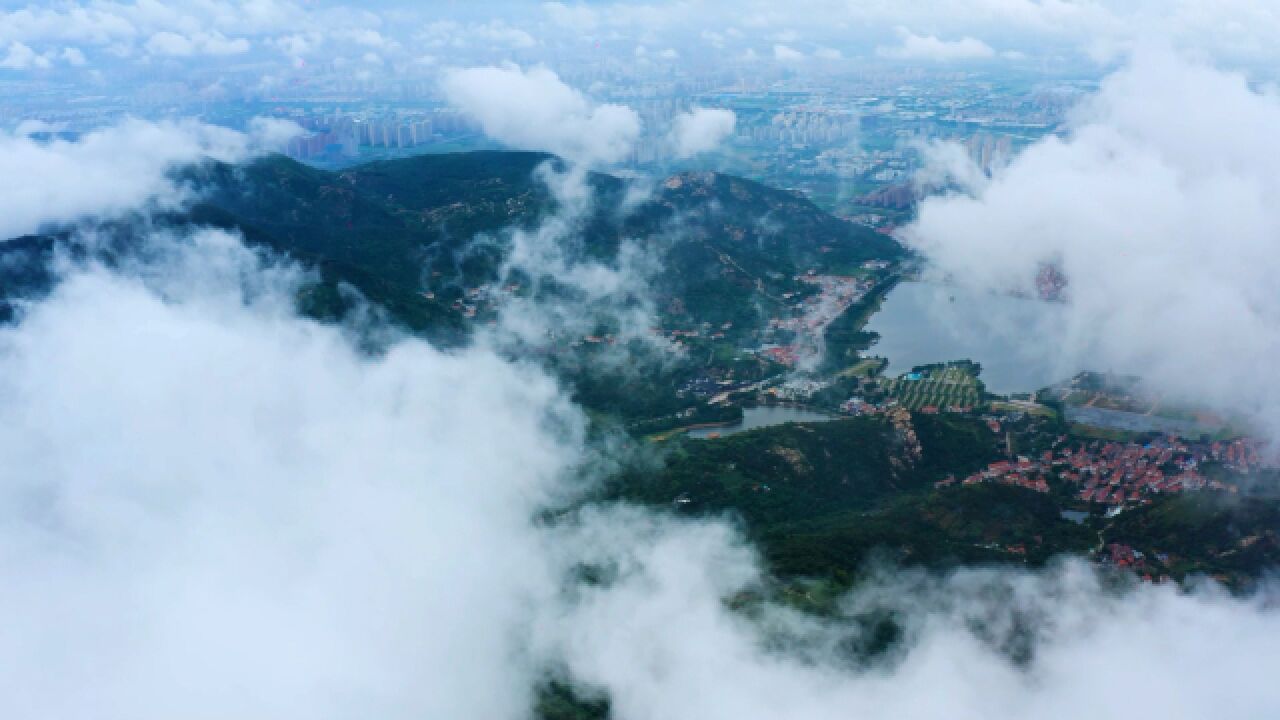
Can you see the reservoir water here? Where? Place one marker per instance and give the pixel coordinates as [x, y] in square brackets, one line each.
[763, 416]
[1011, 337]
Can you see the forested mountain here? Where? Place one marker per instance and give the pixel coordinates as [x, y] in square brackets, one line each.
[398, 229]
[425, 238]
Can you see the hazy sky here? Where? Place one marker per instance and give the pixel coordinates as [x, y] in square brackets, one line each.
[409, 38]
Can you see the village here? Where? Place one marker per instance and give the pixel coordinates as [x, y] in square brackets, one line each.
[1118, 474]
[812, 315]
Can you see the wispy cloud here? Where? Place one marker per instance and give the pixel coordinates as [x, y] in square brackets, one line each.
[534, 110]
[930, 47]
[114, 169]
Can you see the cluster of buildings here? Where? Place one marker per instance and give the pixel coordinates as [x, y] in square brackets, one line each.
[812, 314]
[709, 385]
[1126, 556]
[1242, 455]
[988, 151]
[805, 126]
[1116, 474]
[1119, 474]
[1022, 473]
[706, 330]
[834, 136]
[345, 133]
[1147, 566]
[858, 406]
[900, 419]
[797, 389]
[785, 355]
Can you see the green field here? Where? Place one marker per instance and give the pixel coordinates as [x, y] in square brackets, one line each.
[941, 387]
[1096, 433]
[1029, 408]
[865, 368]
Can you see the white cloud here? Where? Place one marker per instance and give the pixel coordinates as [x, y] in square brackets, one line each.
[481, 36]
[112, 170]
[367, 37]
[946, 164]
[1238, 29]
[34, 127]
[73, 56]
[700, 130]
[178, 29]
[65, 23]
[216, 44]
[1160, 204]
[322, 534]
[786, 53]
[577, 17]
[170, 43]
[587, 292]
[173, 44]
[101, 22]
[297, 44]
[661, 641]
[442, 33]
[534, 110]
[267, 134]
[826, 53]
[929, 47]
[498, 33]
[21, 57]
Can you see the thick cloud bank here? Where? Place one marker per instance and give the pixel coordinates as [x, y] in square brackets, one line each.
[662, 642]
[1161, 204]
[212, 508]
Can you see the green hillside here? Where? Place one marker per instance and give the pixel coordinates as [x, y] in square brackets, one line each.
[396, 229]
[424, 239]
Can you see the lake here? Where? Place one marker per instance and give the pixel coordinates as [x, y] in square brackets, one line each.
[1011, 337]
[763, 416]
[1075, 516]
